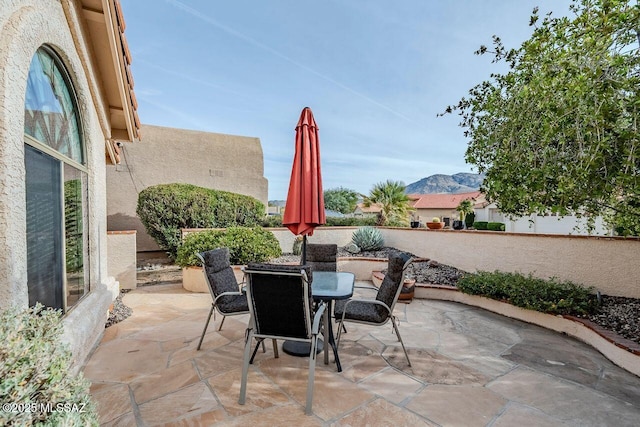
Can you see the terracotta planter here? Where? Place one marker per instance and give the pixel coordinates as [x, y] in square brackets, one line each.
[435, 225]
[408, 290]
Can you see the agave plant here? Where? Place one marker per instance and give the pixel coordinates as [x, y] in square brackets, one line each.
[368, 238]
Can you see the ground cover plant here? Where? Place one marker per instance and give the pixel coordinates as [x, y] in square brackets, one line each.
[547, 296]
[34, 371]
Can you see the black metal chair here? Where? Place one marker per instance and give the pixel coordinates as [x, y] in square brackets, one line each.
[378, 311]
[322, 257]
[281, 307]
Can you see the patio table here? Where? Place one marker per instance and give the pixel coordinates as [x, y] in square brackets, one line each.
[326, 286]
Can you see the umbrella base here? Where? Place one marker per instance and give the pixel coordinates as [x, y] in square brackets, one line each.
[300, 349]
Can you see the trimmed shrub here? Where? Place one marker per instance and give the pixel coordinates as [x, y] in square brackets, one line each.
[34, 370]
[468, 219]
[351, 221]
[495, 226]
[368, 239]
[480, 225]
[271, 221]
[245, 245]
[547, 296]
[167, 208]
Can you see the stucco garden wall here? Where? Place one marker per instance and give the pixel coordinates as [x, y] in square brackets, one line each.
[121, 247]
[25, 25]
[167, 155]
[610, 264]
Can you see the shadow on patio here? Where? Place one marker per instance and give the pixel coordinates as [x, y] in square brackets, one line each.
[470, 367]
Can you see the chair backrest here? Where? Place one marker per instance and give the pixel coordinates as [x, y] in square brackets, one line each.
[280, 299]
[391, 286]
[322, 257]
[219, 273]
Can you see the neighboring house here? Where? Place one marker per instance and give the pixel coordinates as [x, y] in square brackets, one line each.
[66, 99]
[547, 224]
[364, 211]
[167, 155]
[443, 206]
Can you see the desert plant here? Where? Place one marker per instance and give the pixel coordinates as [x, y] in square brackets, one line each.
[435, 219]
[245, 245]
[394, 203]
[465, 208]
[368, 238]
[547, 296]
[469, 219]
[34, 372]
[297, 245]
[166, 209]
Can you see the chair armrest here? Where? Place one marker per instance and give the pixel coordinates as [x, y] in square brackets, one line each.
[370, 288]
[369, 301]
[317, 318]
[225, 294]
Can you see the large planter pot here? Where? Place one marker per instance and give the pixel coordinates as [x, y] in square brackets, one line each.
[435, 225]
[458, 225]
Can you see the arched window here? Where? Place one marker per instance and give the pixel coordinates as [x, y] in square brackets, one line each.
[56, 186]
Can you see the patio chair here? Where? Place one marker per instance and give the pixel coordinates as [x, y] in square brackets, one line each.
[228, 299]
[281, 308]
[322, 257]
[377, 311]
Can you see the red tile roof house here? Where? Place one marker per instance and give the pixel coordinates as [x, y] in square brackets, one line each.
[443, 206]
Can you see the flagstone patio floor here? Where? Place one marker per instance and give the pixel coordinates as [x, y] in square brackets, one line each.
[470, 367]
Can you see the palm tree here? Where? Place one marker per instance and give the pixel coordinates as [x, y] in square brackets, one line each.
[465, 208]
[390, 196]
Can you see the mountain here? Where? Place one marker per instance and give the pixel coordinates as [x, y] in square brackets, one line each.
[458, 183]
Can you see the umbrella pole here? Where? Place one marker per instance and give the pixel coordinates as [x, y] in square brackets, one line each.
[303, 260]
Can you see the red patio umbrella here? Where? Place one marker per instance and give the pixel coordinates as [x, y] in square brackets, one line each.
[304, 210]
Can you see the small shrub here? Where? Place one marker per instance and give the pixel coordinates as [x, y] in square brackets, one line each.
[34, 369]
[368, 238]
[167, 208]
[547, 296]
[297, 245]
[480, 225]
[495, 226]
[245, 245]
[351, 221]
[468, 219]
[272, 221]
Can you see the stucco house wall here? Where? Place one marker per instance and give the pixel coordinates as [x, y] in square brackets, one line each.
[168, 155]
[25, 26]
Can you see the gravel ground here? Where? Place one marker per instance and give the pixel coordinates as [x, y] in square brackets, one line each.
[618, 314]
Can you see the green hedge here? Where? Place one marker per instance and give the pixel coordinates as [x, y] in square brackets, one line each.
[495, 226]
[34, 369]
[167, 208]
[480, 225]
[245, 245]
[547, 296]
[276, 221]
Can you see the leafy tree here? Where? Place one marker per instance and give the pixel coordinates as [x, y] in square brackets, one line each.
[394, 202]
[559, 131]
[341, 199]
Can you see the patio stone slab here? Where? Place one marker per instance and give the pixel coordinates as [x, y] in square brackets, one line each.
[392, 385]
[112, 400]
[457, 405]
[195, 400]
[565, 400]
[381, 412]
[519, 415]
[124, 360]
[164, 382]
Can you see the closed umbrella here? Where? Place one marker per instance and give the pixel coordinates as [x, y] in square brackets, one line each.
[304, 210]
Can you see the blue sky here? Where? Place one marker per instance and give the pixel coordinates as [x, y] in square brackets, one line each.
[374, 72]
